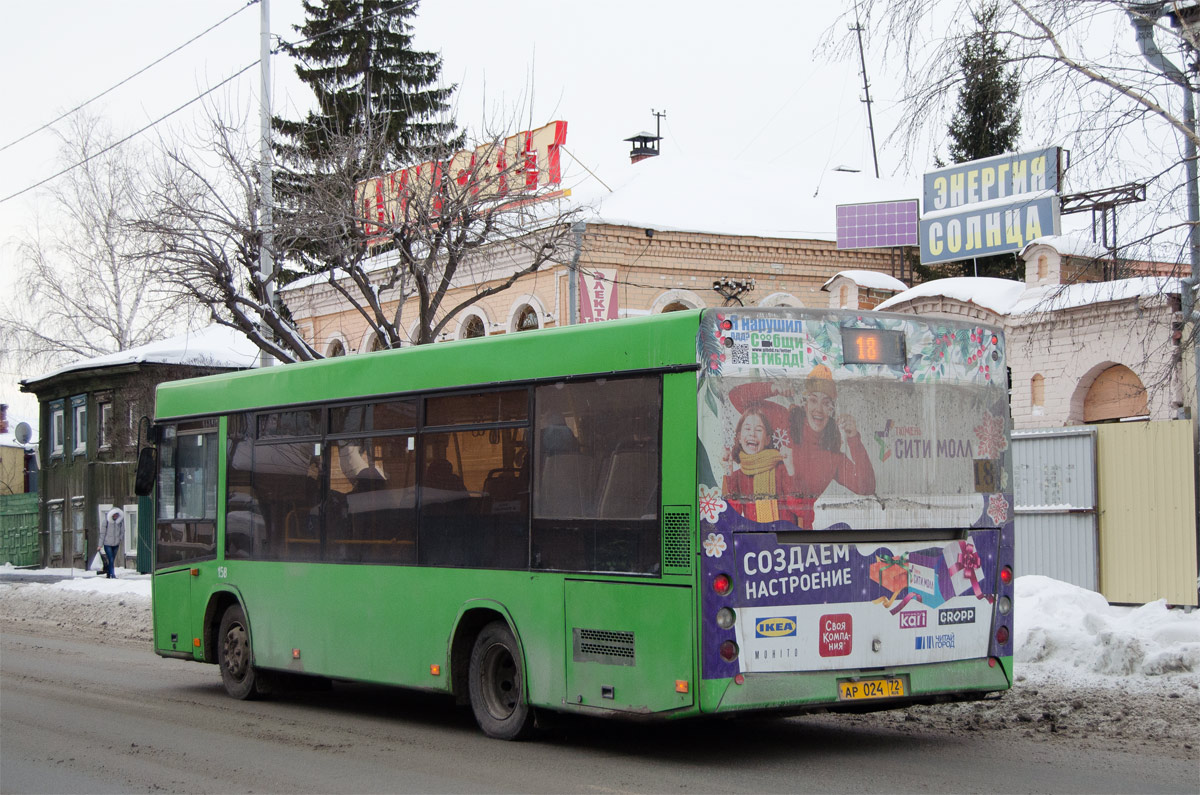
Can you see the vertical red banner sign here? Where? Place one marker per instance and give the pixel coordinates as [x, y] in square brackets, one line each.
[597, 295]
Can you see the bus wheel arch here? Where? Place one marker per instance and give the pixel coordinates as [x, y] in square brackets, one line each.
[242, 679]
[497, 686]
[218, 603]
[470, 623]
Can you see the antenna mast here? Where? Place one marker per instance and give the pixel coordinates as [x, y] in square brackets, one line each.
[857, 28]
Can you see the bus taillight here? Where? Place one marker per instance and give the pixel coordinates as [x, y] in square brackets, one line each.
[1006, 575]
[726, 617]
[1002, 635]
[729, 651]
[722, 584]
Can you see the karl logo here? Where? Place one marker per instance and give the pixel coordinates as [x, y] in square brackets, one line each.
[836, 635]
[775, 627]
[956, 615]
[912, 619]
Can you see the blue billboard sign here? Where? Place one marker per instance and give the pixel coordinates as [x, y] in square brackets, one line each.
[989, 229]
[990, 206]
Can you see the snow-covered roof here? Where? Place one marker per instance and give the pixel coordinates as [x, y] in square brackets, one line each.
[1066, 296]
[733, 197]
[996, 295]
[214, 346]
[1007, 297]
[1078, 243]
[873, 280]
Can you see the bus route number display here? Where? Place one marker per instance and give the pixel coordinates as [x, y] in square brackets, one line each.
[872, 346]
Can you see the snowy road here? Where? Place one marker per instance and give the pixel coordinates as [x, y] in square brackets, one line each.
[81, 713]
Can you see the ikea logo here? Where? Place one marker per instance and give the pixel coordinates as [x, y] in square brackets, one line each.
[775, 627]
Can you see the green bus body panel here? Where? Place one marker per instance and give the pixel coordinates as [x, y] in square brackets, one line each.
[635, 344]
[171, 600]
[642, 621]
[763, 691]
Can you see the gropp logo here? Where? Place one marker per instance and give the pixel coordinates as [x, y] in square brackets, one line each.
[956, 615]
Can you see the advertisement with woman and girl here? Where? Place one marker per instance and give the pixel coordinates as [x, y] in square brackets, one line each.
[814, 425]
[790, 432]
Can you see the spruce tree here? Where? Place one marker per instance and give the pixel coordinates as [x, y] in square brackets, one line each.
[986, 121]
[377, 98]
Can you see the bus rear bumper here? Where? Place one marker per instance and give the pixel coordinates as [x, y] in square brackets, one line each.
[962, 680]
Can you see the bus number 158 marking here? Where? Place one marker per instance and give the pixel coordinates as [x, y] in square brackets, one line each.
[222, 572]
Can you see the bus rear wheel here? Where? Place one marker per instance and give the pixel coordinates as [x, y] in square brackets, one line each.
[234, 657]
[497, 684]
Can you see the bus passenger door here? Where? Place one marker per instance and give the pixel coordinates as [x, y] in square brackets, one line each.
[629, 646]
[172, 613]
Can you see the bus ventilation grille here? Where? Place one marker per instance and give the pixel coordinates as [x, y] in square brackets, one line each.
[604, 646]
[677, 540]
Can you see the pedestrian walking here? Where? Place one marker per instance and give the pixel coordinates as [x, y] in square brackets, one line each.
[112, 534]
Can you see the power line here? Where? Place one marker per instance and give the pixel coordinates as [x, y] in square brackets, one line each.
[166, 116]
[110, 89]
[113, 146]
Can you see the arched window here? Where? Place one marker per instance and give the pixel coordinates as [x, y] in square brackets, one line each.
[474, 327]
[676, 306]
[336, 348]
[1037, 391]
[375, 344]
[1115, 394]
[527, 319]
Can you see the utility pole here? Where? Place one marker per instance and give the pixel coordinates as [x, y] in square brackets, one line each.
[862, 59]
[266, 258]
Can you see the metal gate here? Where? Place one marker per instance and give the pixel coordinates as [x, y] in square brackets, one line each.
[1054, 473]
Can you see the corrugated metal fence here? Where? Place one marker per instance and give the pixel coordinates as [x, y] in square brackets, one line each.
[1055, 494]
[1148, 512]
[1109, 507]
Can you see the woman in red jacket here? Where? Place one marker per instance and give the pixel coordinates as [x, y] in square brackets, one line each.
[814, 458]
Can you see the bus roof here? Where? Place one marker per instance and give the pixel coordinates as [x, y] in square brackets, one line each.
[658, 341]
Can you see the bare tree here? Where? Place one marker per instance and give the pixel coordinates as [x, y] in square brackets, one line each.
[85, 289]
[1087, 85]
[397, 248]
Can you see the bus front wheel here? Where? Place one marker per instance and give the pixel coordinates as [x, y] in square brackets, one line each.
[497, 684]
[234, 657]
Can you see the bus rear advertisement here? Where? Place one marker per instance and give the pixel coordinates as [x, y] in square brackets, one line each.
[711, 512]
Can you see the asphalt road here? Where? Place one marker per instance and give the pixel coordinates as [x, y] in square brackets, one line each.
[82, 716]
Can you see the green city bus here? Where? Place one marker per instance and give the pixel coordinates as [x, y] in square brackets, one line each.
[715, 512]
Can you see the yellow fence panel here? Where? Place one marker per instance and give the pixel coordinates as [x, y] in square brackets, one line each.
[1147, 512]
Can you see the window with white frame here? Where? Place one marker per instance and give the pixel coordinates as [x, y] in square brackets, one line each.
[104, 420]
[131, 529]
[54, 516]
[57, 428]
[79, 424]
[78, 531]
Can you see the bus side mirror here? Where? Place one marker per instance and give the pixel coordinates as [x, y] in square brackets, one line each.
[147, 471]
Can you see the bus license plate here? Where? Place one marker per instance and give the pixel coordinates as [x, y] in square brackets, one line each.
[870, 688]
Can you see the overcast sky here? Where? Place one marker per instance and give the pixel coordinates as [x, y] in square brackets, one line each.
[738, 81]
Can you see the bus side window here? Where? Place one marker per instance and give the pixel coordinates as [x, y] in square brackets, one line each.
[596, 481]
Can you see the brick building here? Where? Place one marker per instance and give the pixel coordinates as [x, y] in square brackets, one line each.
[659, 243]
[1079, 351]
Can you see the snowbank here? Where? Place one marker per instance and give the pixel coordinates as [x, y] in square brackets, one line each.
[1075, 631]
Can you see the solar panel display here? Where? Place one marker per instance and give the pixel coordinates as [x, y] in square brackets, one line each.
[877, 224]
